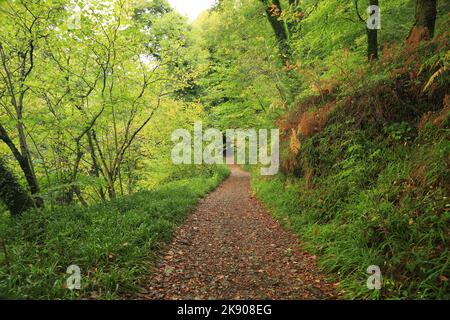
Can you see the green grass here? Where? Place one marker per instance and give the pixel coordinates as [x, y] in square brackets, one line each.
[112, 243]
[377, 199]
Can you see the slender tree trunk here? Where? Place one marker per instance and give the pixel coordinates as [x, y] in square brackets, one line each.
[120, 181]
[111, 190]
[372, 45]
[95, 165]
[12, 194]
[130, 177]
[273, 11]
[23, 156]
[24, 165]
[426, 11]
[372, 39]
[74, 189]
[77, 191]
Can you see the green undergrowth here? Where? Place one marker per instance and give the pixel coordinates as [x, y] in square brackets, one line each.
[375, 199]
[113, 243]
[365, 175]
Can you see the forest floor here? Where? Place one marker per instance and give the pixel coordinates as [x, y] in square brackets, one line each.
[232, 248]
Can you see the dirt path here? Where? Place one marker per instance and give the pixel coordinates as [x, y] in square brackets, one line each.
[231, 248]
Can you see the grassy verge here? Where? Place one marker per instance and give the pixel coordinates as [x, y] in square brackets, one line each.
[112, 243]
[372, 200]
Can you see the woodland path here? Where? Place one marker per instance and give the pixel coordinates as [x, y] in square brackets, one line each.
[232, 248]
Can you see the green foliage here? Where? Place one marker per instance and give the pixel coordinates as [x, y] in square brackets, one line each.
[93, 108]
[89, 92]
[368, 185]
[244, 75]
[112, 243]
[399, 132]
[374, 202]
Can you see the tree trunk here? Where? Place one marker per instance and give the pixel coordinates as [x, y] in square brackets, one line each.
[111, 191]
[11, 192]
[372, 39]
[77, 191]
[426, 11]
[273, 11]
[24, 165]
[372, 45]
[95, 171]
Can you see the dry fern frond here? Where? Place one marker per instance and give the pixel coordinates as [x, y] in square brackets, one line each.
[295, 142]
[436, 75]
